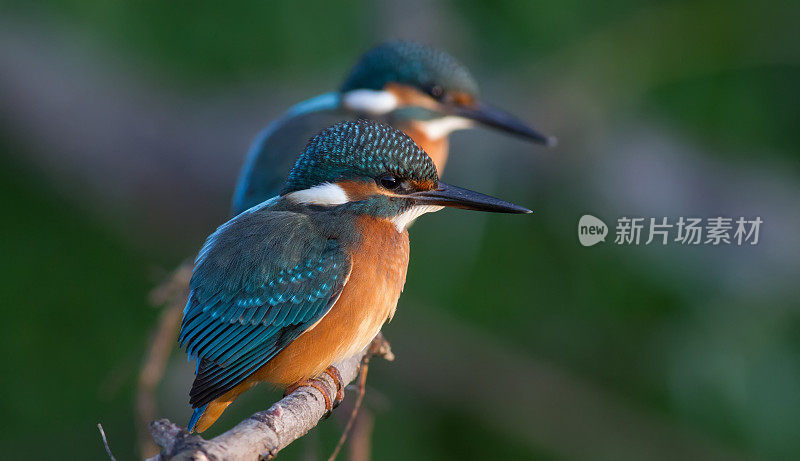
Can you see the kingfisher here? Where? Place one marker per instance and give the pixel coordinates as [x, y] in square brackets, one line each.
[291, 286]
[424, 92]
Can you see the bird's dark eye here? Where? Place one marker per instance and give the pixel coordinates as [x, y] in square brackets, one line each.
[388, 181]
[436, 91]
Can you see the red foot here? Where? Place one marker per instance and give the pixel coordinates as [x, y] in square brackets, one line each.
[316, 385]
[333, 372]
[330, 404]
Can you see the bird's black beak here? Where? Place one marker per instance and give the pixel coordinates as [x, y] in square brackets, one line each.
[456, 197]
[502, 120]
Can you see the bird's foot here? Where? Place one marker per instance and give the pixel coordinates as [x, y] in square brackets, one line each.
[330, 403]
[333, 372]
[316, 384]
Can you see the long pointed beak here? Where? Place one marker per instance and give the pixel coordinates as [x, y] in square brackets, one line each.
[502, 120]
[456, 197]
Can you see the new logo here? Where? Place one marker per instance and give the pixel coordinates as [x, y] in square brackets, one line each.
[591, 230]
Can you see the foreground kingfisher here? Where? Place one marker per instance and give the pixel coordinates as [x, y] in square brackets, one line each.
[424, 92]
[287, 288]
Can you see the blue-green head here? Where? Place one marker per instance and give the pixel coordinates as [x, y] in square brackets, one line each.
[365, 167]
[430, 71]
[412, 82]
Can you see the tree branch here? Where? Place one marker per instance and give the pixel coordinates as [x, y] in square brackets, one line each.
[362, 388]
[264, 434]
[172, 294]
[105, 442]
[360, 448]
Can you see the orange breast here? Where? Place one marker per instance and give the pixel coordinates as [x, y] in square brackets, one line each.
[368, 300]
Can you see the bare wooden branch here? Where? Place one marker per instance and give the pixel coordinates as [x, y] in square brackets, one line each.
[172, 293]
[360, 446]
[175, 289]
[362, 388]
[105, 442]
[264, 434]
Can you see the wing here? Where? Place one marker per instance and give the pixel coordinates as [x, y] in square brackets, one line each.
[275, 150]
[259, 282]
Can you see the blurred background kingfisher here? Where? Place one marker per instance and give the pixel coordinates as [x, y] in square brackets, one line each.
[287, 288]
[422, 91]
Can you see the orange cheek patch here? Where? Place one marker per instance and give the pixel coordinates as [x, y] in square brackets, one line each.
[408, 96]
[359, 190]
[424, 185]
[462, 99]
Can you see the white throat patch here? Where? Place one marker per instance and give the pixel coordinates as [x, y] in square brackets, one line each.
[443, 126]
[373, 102]
[404, 219]
[327, 194]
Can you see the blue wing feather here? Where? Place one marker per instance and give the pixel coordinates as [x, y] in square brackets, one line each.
[198, 412]
[260, 281]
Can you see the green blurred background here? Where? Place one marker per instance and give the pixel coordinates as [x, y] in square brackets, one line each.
[124, 125]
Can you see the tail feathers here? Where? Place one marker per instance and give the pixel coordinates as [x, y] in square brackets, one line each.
[198, 412]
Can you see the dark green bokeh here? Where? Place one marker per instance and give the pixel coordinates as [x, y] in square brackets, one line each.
[73, 297]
